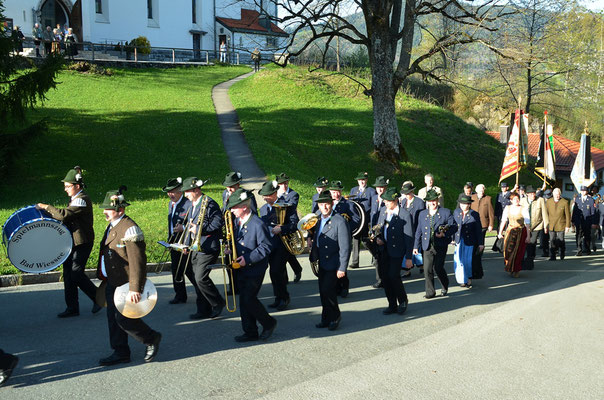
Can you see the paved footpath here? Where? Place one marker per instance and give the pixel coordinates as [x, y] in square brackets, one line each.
[539, 336]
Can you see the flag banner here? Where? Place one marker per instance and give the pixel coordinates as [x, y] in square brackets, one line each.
[524, 125]
[584, 172]
[512, 162]
[545, 168]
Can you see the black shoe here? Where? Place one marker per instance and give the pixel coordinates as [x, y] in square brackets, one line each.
[153, 348]
[96, 308]
[402, 307]
[322, 324]
[267, 332]
[377, 285]
[298, 277]
[389, 310]
[275, 303]
[579, 253]
[353, 266]
[68, 313]
[176, 300]
[245, 338]
[406, 274]
[199, 316]
[429, 297]
[588, 253]
[333, 325]
[553, 257]
[114, 359]
[216, 311]
[443, 292]
[283, 305]
[561, 254]
[6, 373]
[421, 271]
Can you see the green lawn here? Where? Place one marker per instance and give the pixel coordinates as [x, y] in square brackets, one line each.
[137, 128]
[313, 124]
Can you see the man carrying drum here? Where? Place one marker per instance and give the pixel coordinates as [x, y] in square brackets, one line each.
[77, 216]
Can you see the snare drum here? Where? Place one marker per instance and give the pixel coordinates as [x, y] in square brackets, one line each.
[34, 241]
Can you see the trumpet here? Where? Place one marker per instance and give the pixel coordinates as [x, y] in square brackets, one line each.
[293, 242]
[196, 241]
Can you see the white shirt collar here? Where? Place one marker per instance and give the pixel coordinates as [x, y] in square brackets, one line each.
[117, 221]
[243, 220]
[75, 195]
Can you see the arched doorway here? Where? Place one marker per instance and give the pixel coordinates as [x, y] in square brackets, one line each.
[53, 12]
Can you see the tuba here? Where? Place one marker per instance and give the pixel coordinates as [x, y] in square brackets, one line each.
[293, 242]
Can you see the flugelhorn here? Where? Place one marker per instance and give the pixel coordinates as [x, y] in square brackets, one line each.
[294, 241]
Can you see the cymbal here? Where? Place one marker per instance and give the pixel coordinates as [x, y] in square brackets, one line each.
[140, 309]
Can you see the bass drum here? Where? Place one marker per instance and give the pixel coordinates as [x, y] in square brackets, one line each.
[361, 212]
[34, 241]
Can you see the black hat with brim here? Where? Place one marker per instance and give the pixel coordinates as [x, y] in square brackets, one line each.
[192, 182]
[172, 184]
[464, 199]
[530, 189]
[114, 200]
[322, 182]
[381, 181]
[239, 196]
[282, 178]
[268, 188]
[336, 185]
[390, 194]
[232, 179]
[431, 195]
[504, 184]
[325, 197]
[407, 188]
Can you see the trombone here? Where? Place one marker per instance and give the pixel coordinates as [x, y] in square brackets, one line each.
[196, 241]
[169, 246]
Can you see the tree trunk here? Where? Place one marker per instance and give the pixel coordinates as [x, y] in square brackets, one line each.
[529, 89]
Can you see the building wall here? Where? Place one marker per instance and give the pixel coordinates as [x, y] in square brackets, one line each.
[21, 12]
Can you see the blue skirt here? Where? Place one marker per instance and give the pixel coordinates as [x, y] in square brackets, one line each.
[462, 260]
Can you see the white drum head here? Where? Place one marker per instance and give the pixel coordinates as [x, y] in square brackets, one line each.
[39, 246]
[140, 309]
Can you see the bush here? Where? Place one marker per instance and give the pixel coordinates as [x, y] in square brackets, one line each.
[142, 45]
[88, 68]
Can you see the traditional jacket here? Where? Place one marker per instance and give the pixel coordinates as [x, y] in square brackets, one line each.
[333, 245]
[212, 226]
[558, 214]
[425, 234]
[397, 233]
[469, 228]
[538, 214]
[484, 208]
[176, 215]
[78, 218]
[254, 244]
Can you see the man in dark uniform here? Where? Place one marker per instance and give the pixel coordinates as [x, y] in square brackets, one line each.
[278, 257]
[78, 217]
[380, 185]
[253, 246]
[435, 229]
[8, 362]
[414, 205]
[544, 237]
[331, 249]
[288, 196]
[320, 185]
[395, 242]
[209, 301]
[177, 213]
[583, 217]
[232, 182]
[362, 194]
[122, 259]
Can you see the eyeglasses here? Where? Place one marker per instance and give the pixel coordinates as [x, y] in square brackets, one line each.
[69, 186]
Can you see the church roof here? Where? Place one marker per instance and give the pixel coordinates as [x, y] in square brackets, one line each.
[250, 23]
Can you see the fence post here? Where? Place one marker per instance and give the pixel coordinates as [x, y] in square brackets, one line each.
[173, 56]
[92, 44]
[237, 58]
[135, 55]
[207, 57]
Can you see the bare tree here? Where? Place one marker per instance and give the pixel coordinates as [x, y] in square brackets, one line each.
[389, 36]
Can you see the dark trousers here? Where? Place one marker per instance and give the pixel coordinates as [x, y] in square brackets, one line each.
[434, 262]
[294, 264]
[120, 327]
[328, 284]
[250, 308]
[372, 247]
[390, 274]
[544, 243]
[74, 276]
[178, 266]
[354, 255]
[208, 296]
[556, 241]
[6, 360]
[531, 251]
[278, 272]
[584, 237]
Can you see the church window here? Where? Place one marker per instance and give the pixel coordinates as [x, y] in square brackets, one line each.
[98, 6]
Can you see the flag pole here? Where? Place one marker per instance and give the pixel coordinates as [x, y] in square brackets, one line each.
[544, 139]
[519, 141]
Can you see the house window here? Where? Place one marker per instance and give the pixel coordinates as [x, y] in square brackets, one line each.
[194, 11]
[271, 41]
[149, 9]
[240, 41]
[98, 6]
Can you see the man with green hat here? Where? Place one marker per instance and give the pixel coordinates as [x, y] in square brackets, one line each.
[413, 204]
[362, 194]
[77, 216]
[209, 301]
[177, 214]
[253, 245]
[377, 204]
[435, 228]
[320, 185]
[232, 182]
[395, 243]
[331, 249]
[122, 260]
[279, 253]
[287, 195]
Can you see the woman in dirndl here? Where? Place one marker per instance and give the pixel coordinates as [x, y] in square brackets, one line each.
[468, 240]
[517, 234]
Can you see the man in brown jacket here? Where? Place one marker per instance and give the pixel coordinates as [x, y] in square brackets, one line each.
[558, 212]
[77, 216]
[539, 222]
[122, 259]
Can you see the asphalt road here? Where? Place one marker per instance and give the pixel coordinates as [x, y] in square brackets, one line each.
[540, 336]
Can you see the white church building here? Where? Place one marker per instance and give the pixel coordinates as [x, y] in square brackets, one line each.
[186, 24]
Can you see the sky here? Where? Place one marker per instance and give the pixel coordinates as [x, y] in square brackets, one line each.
[594, 5]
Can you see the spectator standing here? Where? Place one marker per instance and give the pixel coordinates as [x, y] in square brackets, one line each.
[38, 36]
[48, 38]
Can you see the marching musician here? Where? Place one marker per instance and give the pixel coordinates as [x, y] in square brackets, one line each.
[362, 194]
[584, 219]
[345, 209]
[395, 242]
[232, 182]
[320, 185]
[79, 219]
[122, 259]
[331, 249]
[380, 185]
[287, 195]
[279, 253]
[253, 246]
[413, 204]
[177, 212]
[435, 228]
[209, 301]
